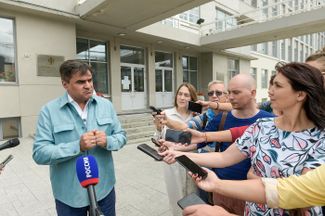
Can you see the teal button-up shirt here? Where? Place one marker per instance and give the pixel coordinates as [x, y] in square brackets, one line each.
[58, 133]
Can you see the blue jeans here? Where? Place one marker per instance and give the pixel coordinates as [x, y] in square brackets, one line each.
[107, 206]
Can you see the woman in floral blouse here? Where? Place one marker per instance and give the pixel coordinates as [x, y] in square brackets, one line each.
[290, 144]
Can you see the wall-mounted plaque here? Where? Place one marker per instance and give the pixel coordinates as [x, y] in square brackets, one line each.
[48, 65]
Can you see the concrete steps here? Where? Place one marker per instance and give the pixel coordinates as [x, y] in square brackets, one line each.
[139, 127]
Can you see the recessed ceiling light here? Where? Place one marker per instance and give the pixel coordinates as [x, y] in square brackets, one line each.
[159, 42]
[121, 34]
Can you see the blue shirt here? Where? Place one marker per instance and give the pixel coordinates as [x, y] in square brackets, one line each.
[58, 133]
[197, 123]
[237, 171]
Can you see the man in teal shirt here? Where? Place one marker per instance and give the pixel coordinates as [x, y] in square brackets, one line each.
[72, 125]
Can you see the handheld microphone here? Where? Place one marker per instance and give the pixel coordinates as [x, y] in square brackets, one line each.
[87, 172]
[10, 143]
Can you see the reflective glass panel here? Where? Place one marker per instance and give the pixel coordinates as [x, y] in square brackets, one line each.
[163, 59]
[7, 51]
[126, 82]
[138, 79]
[168, 81]
[10, 128]
[132, 55]
[159, 81]
[100, 77]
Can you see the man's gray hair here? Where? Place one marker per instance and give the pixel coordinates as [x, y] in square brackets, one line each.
[215, 82]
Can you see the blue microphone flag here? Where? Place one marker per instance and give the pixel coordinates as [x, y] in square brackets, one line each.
[87, 170]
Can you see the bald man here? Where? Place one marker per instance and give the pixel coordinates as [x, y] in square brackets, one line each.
[241, 95]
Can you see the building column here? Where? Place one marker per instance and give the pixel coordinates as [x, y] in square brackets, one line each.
[205, 72]
[115, 74]
[178, 70]
[151, 80]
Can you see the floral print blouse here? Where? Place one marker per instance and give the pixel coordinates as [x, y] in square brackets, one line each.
[275, 153]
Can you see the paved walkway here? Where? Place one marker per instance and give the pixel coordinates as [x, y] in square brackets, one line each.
[25, 188]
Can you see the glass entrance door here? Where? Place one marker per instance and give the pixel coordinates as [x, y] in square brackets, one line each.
[164, 87]
[133, 87]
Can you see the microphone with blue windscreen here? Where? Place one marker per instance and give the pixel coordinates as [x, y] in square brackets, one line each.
[87, 172]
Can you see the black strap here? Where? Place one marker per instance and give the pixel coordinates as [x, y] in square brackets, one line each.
[221, 128]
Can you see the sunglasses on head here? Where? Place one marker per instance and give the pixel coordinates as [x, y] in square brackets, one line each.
[217, 93]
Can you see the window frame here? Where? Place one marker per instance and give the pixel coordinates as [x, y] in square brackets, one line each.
[89, 61]
[15, 58]
[18, 119]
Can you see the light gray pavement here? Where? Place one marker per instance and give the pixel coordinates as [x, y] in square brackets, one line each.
[25, 187]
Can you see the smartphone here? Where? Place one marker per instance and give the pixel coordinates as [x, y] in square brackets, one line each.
[154, 141]
[150, 151]
[176, 136]
[191, 166]
[155, 110]
[5, 161]
[194, 107]
[191, 199]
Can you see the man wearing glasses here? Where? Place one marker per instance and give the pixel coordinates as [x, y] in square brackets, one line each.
[217, 95]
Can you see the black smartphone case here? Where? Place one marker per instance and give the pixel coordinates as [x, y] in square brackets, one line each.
[191, 199]
[195, 107]
[155, 110]
[191, 166]
[178, 136]
[150, 151]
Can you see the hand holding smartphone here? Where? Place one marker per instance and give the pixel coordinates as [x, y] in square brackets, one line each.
[154, 141]
[176, 136]
[191, 199]
[195, 107]
[150, 151]
[155, 111]
[191, 166]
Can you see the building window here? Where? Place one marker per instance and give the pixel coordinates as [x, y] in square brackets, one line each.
[191, 15]
[290, 59]
[254, 3]
[233, 68]
[302, 56]
[224, 20]
[254, 47]
[7, 51]
[264, 78]
[311, 39]
[9, 128]
[190, 70]
[132, 68]
[275, 48]
[253, 73]
[296, 51]
[164, 71]
[265, 8]
[95, 54]
[283, 49]
[275, 8]
[264, 48]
